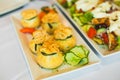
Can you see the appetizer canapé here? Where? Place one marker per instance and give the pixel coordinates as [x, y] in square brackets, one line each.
[30, 18]
[65, 38]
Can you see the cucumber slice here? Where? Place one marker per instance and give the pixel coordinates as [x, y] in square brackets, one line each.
[84, 61]
[86, 51]
[101, 30]
[79, 51]
[72, 59]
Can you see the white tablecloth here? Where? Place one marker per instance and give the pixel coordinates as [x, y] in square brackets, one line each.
[13, 65]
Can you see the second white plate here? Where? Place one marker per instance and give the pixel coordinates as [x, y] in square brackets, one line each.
[9, 5]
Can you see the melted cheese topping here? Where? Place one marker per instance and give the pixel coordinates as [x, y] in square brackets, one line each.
[100, 10]
[86, 5]
[114, 21]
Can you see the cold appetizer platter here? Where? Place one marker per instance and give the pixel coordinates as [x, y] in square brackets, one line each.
[97, 20]
[50, 44]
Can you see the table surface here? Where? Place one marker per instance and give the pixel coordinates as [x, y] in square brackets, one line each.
[13, 65]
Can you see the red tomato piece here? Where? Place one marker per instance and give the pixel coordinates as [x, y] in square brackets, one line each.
[41, 14]
[91, 32]
[105, 38]
[27, 30]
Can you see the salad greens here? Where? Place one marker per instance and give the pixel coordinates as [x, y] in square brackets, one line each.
[97, 27]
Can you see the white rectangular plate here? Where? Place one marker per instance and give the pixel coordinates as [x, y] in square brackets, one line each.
[37, 72]
[103, 52]
[9, 5]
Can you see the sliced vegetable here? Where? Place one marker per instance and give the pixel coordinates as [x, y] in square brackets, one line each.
[77, 20]
[86, 27]
[71, 2]
[105, 38]
[50, 26]
[77, 55]
[65, 38]
[101, 30]
[118, 39]
[78, 51]
[86, 51]
[65, 4]
[72, 9]
[77, 14]
[83, 19]
[84, 61]
[91, 32]
[72, 59]
[45, 54]
[98, 40]
[87, 17]
[27, 30]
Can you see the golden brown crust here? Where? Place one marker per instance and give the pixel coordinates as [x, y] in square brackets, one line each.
[62, 32]
[50, 47]
[101, 1]
[50, 18]
[33, 23]
[67, 44]
[50, 62]
[40, 36]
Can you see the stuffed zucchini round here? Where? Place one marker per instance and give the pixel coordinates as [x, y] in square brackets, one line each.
[34, 47]
[39, 37]
[50, 22]
[64, 38]
[49, 56]
[30, 18]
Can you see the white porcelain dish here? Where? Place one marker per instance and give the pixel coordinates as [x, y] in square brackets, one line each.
[38, 73]
[9, 5]
[103, 52]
